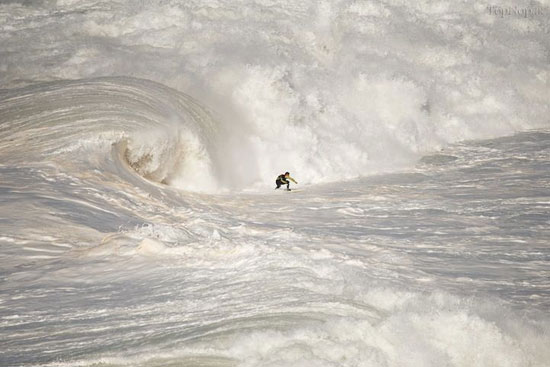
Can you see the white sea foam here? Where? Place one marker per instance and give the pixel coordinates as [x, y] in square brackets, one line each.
[117, 116]
[331, 90]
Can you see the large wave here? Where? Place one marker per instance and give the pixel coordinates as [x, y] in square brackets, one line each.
[106, 103]
[327, 90]
[163, 135]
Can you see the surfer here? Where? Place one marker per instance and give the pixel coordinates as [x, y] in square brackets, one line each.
[284, 179]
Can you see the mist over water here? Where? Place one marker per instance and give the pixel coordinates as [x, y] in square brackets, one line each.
[330, 89]
[140, 141]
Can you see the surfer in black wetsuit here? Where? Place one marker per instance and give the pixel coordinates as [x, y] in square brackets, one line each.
[284, 179]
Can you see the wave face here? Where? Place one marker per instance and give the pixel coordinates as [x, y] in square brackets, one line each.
[138, 146]
[164, 135]
[331, 90]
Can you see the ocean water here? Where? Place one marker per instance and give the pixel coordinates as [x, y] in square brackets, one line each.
[140, 141]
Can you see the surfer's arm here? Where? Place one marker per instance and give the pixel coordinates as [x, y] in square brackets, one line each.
[293, 180]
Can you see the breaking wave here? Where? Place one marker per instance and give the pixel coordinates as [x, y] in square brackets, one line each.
[163, 135]
[327, 90]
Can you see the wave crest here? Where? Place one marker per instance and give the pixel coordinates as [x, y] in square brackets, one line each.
[162, 134]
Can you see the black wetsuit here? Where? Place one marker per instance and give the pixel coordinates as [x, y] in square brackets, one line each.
[281, 180]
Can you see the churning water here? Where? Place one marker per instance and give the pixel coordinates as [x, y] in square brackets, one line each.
[139, 142]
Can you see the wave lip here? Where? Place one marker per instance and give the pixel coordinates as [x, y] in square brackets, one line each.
[164, 135]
